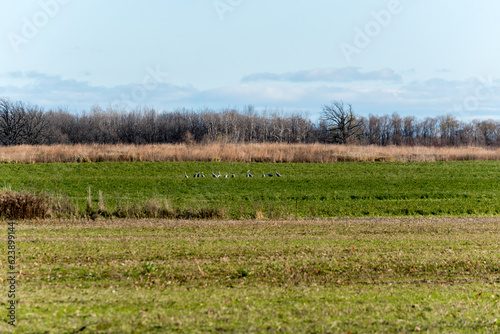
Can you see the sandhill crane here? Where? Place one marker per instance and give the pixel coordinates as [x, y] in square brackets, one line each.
[263, 174]
[270, 175]
[213, 175]
[277, 174]
[185, 175]
[248, 174]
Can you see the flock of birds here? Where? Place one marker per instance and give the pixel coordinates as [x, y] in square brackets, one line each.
[200, 174]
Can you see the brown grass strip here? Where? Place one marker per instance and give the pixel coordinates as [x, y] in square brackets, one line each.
[269, 152]
[23, 205]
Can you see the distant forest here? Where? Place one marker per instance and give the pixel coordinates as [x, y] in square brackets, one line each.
[23, 123]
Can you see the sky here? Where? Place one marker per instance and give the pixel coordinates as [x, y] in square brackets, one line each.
[415, 57]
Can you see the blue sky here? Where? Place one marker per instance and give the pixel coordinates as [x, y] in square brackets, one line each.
[414, 57]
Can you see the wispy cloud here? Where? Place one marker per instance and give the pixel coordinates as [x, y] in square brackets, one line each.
[53, 91]
[345, 74]
[422, 98]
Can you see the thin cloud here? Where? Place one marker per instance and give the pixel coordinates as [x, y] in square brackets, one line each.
[422, 98]
[345, 74]
[52, 91]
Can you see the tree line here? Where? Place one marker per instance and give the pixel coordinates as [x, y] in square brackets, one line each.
[23, 123]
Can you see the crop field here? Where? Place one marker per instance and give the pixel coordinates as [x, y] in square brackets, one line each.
[326, 248]
[345, 275]
[305, 191]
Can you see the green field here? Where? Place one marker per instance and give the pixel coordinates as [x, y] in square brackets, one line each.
[413, 247]
[305, 190]
[345, 275]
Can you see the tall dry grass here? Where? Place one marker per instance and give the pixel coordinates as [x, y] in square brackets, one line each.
[23, 205]
[15, 205]
[241, 153]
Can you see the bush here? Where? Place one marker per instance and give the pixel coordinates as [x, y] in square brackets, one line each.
[23, 205]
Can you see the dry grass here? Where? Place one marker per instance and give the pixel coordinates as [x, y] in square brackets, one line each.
[377, 275]
[241, 153]
[156, 209]
[23, 205]
[15, 205]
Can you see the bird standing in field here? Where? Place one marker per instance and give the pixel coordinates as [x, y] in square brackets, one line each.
[269, 174]
[226, 176]
[185, 175]
[248, 174]
[277, 174]
[233, 175]
[202, 175]
[219, 174]
[263, 174]
[195, 175]
[213, 175]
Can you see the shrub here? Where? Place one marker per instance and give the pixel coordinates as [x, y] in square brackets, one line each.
[23, 205]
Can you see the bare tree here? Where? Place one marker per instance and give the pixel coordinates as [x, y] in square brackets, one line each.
[21, 123]
[341, 122]
[12, 116]
[36, 126]
[396, 124]
[409, 130]
[374, 130]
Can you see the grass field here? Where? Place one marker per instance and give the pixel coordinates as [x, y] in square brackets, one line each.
[342, 275]
[467, 188]
[426, 259]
